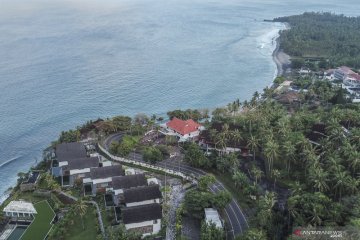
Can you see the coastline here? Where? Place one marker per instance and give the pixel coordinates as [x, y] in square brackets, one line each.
[281, 59]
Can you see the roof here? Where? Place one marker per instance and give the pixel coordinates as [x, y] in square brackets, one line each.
[183, 127]
[65, 151]
[140, 194]
[355, 76]
[141, 213]
[346, 70]
[212, 216]
[81, 163]
[129, 181]
[108, 171]
[21, 207]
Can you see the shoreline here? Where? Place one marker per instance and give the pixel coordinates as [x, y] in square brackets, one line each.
[281, 59]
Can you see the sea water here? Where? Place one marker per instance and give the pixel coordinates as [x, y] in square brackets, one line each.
[63, 62]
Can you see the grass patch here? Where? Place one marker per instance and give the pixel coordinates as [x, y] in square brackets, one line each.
[76, 232]
[40, 227]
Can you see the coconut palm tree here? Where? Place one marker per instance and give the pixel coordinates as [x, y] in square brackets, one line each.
[253, 144]
[276, 174]
[289, 150]
[340, 179]
[257, 173]
[319, 178]
[271, 151]
[236, 136]
[81, 208]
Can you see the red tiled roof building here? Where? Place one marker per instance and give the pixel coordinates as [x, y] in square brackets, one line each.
[188, 128]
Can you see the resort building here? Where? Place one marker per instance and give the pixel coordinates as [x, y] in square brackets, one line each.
[142, 196]
[342, 73]
[212, 217]
[352, 80]
[120, 184]
[98, 179]
[74, 168]
[184, 130]
[145, 219]
[20, 209]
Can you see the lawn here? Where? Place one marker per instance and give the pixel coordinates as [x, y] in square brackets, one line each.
[42, 223]
[76, 231]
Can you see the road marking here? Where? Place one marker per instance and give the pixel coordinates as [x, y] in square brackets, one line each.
[233, 211]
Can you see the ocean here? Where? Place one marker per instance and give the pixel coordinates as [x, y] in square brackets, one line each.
[65, 62]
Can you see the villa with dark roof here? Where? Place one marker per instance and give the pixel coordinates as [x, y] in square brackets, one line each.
[142, 195]
[145, 219]
[99, 179]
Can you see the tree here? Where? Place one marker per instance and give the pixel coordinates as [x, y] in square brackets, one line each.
[211, 232]
[120, 233]
[240, 179]
[195, 156]
[205, 181]
[253, 234]
[253, 143]
[221, 199]
[257, 173]
[271, 151]
[340, 179]
[80, 208]
[152, 155]
[319, 178]
[122, 123]
[51, 183]
[276, 175]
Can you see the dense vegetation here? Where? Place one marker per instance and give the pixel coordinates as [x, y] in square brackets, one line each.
[334, 39]
[314, 151]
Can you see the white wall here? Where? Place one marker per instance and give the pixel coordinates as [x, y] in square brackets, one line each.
[143, 202]
[156, 226]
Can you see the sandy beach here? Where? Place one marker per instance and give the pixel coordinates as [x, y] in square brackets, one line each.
[281, 59]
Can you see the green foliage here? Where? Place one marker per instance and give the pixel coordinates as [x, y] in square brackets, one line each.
[253, 234]
[324, 35]
[152, 154]
[195, 156]
[122, 123]
[279, 80]
[206, 181]
[197, 199]
[187, 114]
[119, 233]
[69, 136]
[211, 232]
[125, 146]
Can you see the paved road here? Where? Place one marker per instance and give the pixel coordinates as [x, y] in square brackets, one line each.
[236, 219]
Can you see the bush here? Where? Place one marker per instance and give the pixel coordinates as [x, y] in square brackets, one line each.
[152, 154]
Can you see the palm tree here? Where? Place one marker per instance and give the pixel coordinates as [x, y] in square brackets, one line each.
[81, 208]
[239, 179]
[341, 179]
[220, 141]
[271, 151]
[253, 143]
[236, 136]
[268, 202]
[289, 152]
[276, 175]
[315, 218]
[354, 160]
[319, 178]
[353, 185]
[257, 173]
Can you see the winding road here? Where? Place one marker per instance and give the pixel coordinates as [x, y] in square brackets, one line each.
[236, 219]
